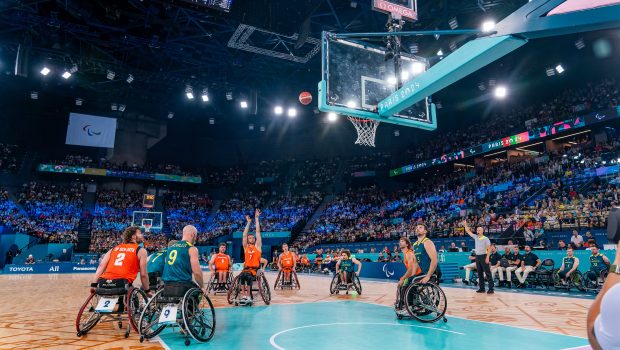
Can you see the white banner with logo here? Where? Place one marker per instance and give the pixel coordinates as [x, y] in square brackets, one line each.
[91, 130]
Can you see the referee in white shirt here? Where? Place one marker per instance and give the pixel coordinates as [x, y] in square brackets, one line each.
[483, 251]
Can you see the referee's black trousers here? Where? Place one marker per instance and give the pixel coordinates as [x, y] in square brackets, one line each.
[483, 269]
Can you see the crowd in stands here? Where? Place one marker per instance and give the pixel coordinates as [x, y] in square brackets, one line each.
[113, 213]
[53, 211]
[553, 191]
[590, 97]
[225, 177]
[87, 161]
[8, 158]
[187, 209]
[315, 174]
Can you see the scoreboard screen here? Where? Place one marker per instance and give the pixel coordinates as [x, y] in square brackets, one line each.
[148, 201]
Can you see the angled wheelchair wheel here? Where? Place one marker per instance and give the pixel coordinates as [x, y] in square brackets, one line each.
[333, 287]
[149, 325]
[357, 284]
[87, 317]
[426, 302]
[589, 285]
[280, 276]
[198, 315]
[263, 287]
[577, 280]
[233, 291]
[211, 284]
[295, 280]
[136, 301]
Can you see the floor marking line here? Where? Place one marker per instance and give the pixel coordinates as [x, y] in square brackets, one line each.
[273, 337]
[495, 323]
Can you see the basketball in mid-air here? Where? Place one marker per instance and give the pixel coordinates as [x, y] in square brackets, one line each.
[305, 98]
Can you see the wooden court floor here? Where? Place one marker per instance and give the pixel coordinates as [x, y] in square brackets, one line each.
[38, 311]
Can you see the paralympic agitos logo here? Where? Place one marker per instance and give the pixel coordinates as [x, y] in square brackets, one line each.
[89, 131]
[388, 273]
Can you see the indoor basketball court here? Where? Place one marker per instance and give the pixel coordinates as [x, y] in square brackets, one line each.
[297, 319]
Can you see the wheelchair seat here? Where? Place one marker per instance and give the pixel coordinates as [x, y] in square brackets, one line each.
[112, 287]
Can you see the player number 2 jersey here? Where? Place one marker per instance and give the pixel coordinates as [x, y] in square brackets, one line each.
[123, 263]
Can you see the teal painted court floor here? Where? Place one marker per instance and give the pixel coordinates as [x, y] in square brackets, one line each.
[356, 325]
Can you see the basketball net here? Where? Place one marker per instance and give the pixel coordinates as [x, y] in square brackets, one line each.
[366, 130]
[147, 227]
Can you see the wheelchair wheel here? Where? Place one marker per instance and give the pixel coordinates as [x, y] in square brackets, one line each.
[210, 284]
[275, 285]
[149, 325]
[233, 291]
[426, 302]
[589, 285]
[576, 279]
[263, 287]
[198, 315]
[357, 284]
[333, 287]
[87, 318]
[136, 302]
[294, 278]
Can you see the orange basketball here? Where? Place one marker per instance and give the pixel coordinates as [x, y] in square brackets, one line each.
[305, 98]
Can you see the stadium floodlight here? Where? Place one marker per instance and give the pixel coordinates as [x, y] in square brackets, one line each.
[211, 121]
[45, 71]
[129, 79]
[251, 127]
[189, 92]
[488, 26]
[291, 112]
[559, 68]
[501, 92]
[66, 75]
[481, 86]
[391, 80]
[229, 96]
[205, 95]
[417, 67]
[110, 75]
[550, 72]
[170, 115]
[114, 106]
[580, 44]
[243, 104]
[121, 108]
[74, 69]
[34, 95]
[351, 104]
[262, 128]
[396, 132]
[278, 110]
[453, 23]
[440, 52]
[332, 117]
[79, 101]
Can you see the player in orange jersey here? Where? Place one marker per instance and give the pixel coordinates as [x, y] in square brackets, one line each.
[220, 265]
[123, 262]
[286, 263]
[252, 247]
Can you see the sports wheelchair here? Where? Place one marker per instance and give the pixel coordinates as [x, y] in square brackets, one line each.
[281, 284]
[182, 305]
[575, 280]
[101, 305]
[215, 286]
[262, 289]
[425, 302]
[594, 285]
[352, 281]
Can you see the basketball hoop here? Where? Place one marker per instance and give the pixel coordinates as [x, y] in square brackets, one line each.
[147, 227]
[366, 130]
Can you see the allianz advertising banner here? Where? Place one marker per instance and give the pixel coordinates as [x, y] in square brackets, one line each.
[90, 130]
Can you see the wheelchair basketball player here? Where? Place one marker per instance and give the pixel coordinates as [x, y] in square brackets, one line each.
[155, 265]
[120, 265]
[220, 265]
[252, 246]
[286, 263]
[345, 269]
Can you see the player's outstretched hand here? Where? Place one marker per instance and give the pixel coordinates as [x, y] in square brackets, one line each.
[249, 219]
[257, 213]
